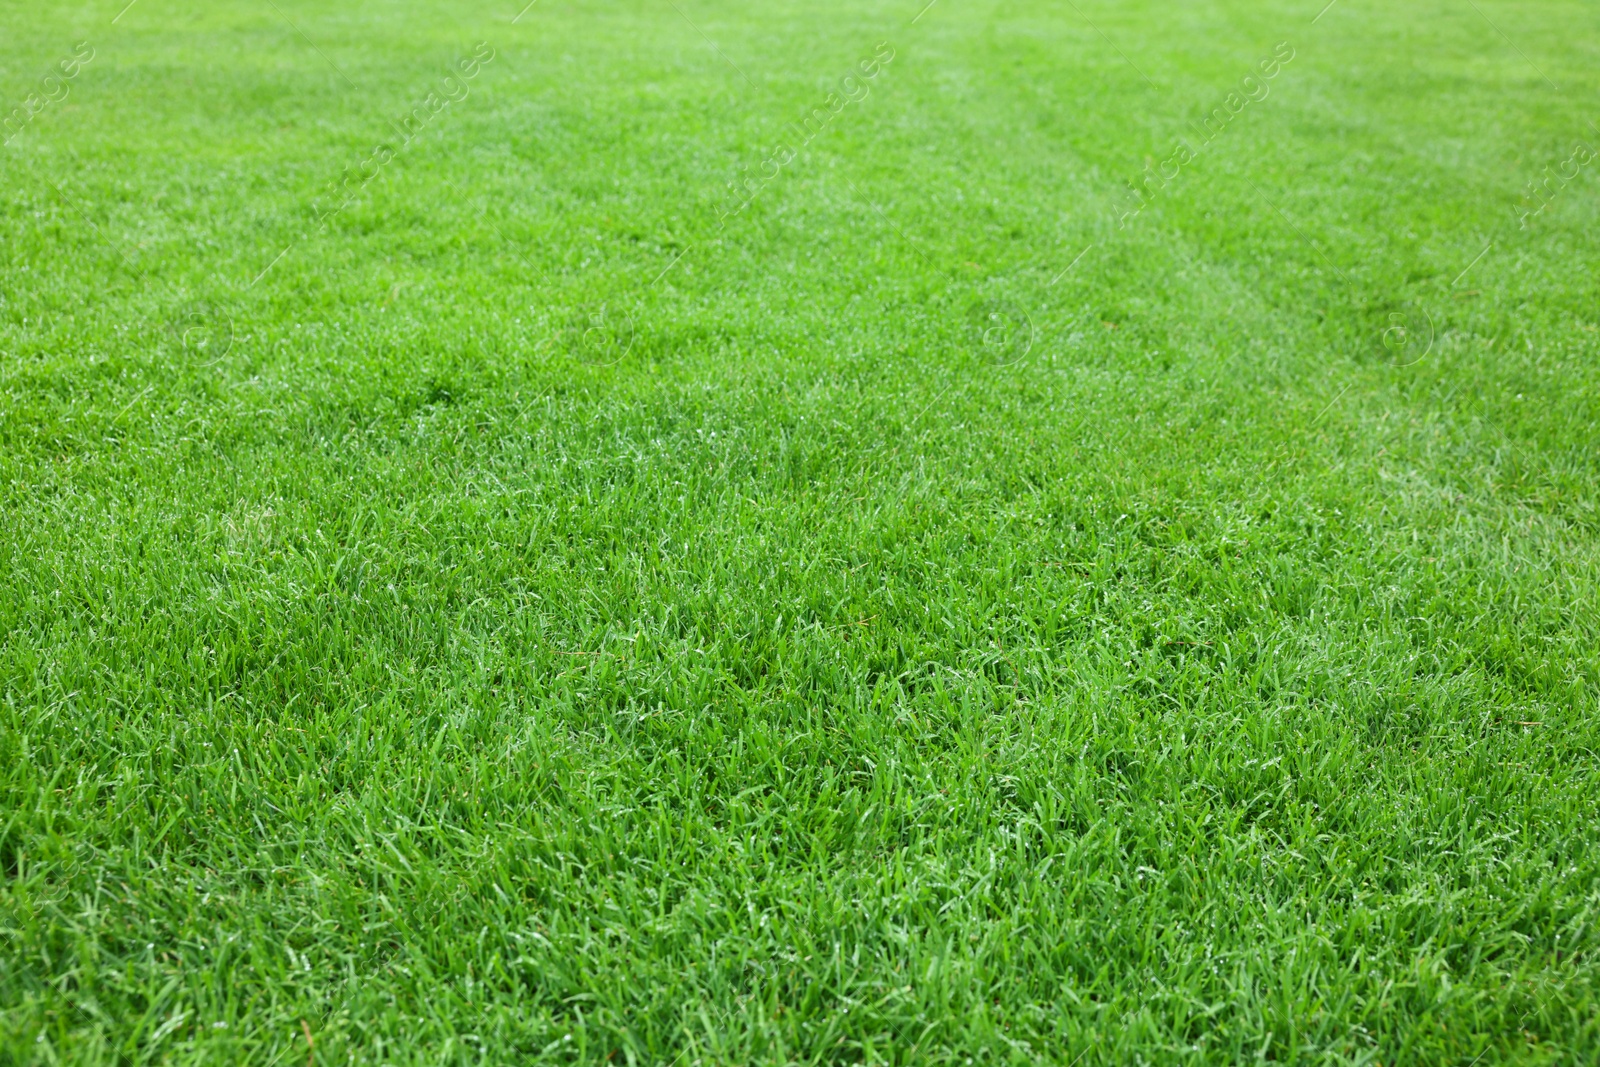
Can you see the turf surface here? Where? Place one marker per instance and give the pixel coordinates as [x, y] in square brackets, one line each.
[707, 532]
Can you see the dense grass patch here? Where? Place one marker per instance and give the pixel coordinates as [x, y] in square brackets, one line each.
[467, 594]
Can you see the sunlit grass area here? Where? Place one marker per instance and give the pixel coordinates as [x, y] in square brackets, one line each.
[693, 532]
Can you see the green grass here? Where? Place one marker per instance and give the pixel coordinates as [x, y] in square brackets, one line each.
[505, 612]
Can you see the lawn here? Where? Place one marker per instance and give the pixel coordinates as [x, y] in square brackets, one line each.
[1014, 531]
